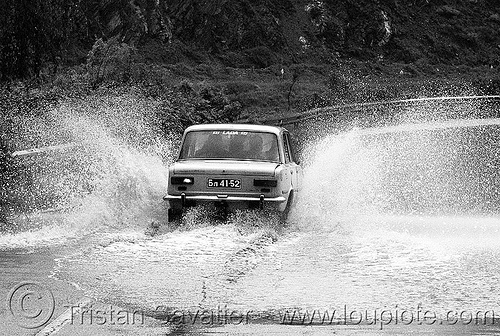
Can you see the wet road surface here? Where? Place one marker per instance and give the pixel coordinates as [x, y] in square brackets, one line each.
[391, 275]
[395, 234]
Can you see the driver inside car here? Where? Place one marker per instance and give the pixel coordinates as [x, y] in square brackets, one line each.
[255, 147]
[212, 148]
[272, 153]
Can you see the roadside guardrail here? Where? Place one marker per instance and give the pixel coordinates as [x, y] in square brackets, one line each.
[358, 107]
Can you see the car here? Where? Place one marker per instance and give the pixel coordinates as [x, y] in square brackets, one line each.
[234, 166]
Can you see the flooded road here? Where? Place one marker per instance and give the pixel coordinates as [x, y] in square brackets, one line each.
[397, 231]
[381, 263]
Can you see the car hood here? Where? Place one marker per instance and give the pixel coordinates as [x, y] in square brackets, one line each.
[223, 167]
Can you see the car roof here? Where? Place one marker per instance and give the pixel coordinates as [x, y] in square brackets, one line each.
[236, 127]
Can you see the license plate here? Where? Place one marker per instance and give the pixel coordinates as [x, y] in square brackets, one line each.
[224, 183]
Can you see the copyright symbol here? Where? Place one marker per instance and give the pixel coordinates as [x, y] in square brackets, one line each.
[31, 305]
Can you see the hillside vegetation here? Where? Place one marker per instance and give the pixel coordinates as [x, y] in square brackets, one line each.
[225, 60]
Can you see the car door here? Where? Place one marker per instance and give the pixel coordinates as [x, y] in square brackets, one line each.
[291, 166]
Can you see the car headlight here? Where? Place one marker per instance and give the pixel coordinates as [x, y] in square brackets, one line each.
[181, 180]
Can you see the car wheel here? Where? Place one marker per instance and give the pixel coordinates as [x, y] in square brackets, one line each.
[174, 214]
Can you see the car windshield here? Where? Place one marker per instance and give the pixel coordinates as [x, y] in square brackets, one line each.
[230, 145]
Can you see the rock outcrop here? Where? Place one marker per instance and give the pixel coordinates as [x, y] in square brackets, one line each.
[250, 33]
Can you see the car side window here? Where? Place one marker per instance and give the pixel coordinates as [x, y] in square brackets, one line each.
[286, 147]
[290, 148]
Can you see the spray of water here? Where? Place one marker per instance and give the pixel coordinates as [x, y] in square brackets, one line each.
[430, 166]
[114, 177]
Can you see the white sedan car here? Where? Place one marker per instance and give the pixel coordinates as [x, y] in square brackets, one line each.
[234, 166]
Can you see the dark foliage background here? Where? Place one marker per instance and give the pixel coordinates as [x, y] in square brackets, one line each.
[37, 35]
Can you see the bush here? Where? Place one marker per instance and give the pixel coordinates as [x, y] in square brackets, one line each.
[487, 86]
[111, 60]
[261, 57]
[339, 86]
[235, 60]
[238, 87]
[184, 106]
[181, 69]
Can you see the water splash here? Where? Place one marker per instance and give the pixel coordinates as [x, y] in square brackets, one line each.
[446, 168]
[114, 178]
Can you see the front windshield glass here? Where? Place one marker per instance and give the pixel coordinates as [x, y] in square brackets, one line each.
[230, 145]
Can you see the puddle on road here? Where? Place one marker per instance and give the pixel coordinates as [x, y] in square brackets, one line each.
[367, 263]
[375, 264]
[184, 270]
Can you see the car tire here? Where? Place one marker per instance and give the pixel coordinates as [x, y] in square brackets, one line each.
[174, 214]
